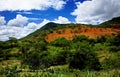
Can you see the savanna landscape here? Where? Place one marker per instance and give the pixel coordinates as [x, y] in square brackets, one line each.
[64, 50]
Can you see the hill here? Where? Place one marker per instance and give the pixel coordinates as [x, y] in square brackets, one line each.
[63, 50]
[53, 30]
[113, 23]
[43, 31]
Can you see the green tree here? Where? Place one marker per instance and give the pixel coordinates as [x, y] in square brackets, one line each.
[37, 60]
[61, 58]
[84, 58]
[61, 42]
[80, 38]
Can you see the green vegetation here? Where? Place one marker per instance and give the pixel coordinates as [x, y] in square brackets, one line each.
[114, 23]
[81, 53]
[33, 56]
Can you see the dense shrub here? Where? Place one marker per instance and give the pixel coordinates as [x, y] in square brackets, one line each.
[61, 58]
[80, 38]
[84, 58]
[61, 42]
[112, 62]
[10, 72]
[36, 60]
[114, 48]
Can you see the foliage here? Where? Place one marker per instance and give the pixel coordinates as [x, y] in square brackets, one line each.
[84, 58]
[36, 56]
[61, 58]
[113, 62]
[10, 72]
[111, 23]
[61, 42]
[80, 52]
[80, 38]
[36, 60]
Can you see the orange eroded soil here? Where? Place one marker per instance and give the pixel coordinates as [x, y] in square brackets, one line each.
[91, 32]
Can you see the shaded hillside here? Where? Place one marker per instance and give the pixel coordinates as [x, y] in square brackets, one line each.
[113, 23]
[43, 30]
[50, 26]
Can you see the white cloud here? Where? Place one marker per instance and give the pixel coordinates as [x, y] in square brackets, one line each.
[62, 20]
[24, 12]
[34, 19]
[2, 20]
[58, 4]
[31, 4]
[18, 28]
[94, 11]
[18, 21]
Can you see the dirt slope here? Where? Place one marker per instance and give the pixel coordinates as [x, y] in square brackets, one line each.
[91, 32]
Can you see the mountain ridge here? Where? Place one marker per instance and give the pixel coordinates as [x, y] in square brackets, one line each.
[51, 29]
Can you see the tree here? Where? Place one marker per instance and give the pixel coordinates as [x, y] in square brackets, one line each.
[37, 60]
[61, 42]
[80, 38]
[61, 58]
[84, 58]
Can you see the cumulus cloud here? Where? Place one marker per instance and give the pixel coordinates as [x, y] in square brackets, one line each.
[2, 20]
[96, 11]
[18, 21]
[62, 20]
[31, 4]
[19, 26]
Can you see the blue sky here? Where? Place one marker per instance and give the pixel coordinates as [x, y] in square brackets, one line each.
[19, 18]
[39, 15]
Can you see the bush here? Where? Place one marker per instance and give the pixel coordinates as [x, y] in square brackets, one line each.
[36, 60]
[10, 72]
[80, 38]
[61, 58]
[113, 62]
[84, 58]
[100, 46]
[114, 48]
[61, 42]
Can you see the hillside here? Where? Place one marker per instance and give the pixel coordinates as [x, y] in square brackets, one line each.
[48, 26]
[68, 50]
[91, 32]
[52, 30]
[113, 23]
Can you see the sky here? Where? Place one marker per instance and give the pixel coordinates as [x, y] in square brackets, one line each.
[18, 18]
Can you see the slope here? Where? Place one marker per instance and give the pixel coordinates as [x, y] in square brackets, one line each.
[113, 23]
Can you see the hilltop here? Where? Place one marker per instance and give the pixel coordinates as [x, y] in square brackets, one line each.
[54, 30]
[113, 23]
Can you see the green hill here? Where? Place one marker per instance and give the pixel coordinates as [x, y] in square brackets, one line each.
[47, 27]
[113, 23]
[33, 56]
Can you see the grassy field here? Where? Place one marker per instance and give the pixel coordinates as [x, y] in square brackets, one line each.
[56, 71]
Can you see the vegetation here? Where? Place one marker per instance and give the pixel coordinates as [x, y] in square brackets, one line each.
[81, 56]
[111, 23]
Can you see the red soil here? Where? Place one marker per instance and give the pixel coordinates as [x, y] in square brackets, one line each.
[91, 32]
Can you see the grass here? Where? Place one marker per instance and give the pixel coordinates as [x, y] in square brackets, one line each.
[57, 71]
[60, 71]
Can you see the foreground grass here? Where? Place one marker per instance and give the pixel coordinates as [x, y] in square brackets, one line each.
[13, 68]
[57, 71]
